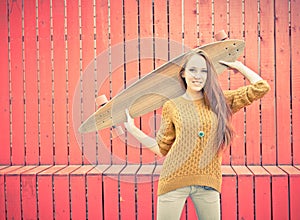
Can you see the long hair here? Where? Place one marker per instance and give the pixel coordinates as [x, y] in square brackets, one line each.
[214, 98]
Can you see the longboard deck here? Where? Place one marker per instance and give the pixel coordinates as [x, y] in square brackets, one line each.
[154, 89]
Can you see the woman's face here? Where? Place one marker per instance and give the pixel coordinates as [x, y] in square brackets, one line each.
[195, 73]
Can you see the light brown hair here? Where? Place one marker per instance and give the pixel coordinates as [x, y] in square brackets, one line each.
[215, 99]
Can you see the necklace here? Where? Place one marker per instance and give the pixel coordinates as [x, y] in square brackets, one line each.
[201, 134]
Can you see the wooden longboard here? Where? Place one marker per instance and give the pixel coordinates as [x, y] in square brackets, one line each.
[154, 89]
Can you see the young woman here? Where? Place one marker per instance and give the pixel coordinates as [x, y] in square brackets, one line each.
[195, 130]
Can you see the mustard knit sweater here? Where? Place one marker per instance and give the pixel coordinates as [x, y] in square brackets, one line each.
[191, 159]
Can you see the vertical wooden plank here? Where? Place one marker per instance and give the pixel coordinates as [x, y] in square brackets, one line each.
[73, 67]
[111, 192]
[13, 199]
[87, 28]
[267, 72]
[161, 18]
[131, 68]
[280, 199]
[60, 78]
[2, 196]
[220, 23]
[102, 38]
[283, 119]
[29, 192]
[229, 194]
[128, 194]
[104, 153]
[156, 174]
[161, 53]
[144, 188]
[295, 65]
[236, 81]
[262, 193]
[294, 191]
[245, 192]
[117, 74]
[14, 193]
[104, 135]
[45, 83]
[17, 81]
[31, 82]
[95, 192]
[61, 183]
[191, 14]
[205, 21]
[3, 204]
[4, 87]
[88, 83]
[78, 186]
[175, 15]
[146, 35]
[251, 60]
[45, 192]
[104, 147]
[103, 82]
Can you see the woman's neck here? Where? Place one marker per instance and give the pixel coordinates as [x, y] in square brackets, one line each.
[193, 95]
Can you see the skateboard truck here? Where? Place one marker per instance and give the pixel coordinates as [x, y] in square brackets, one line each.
[101, 100]
[221, 35]
[116, 130]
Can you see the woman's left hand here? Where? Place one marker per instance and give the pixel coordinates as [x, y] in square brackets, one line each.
[236, 65]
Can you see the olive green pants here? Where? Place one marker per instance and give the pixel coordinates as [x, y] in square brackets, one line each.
[205, 199]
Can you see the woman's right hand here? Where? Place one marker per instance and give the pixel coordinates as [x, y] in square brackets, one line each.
[129, 124]
[147, 141]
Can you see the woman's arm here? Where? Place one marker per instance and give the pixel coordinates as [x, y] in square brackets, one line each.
[252, 76]
[147, 141]
[245, 95]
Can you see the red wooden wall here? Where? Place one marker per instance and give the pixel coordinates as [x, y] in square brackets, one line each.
[58, 55]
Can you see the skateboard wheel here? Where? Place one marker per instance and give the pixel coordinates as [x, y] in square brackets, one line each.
[117, 131]
[221, 35]
[101, 100]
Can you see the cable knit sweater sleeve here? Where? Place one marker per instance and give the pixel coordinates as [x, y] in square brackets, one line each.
[166, 134]
[245, 95]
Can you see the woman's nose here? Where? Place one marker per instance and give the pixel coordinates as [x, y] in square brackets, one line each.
[197, 75]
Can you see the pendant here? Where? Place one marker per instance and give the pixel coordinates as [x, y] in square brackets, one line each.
[201, 134]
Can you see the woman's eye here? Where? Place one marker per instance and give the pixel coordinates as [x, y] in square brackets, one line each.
[192, 70]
